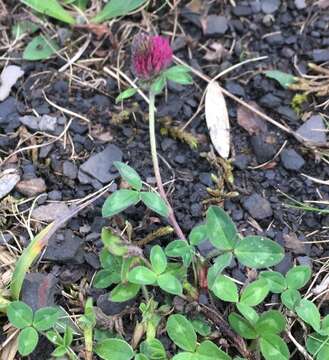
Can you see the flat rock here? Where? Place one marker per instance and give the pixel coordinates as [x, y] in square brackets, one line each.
[313, 130]
[291, 160]
[100, 166]
[320, 55]
[65, 248]
[215, 25]
[30, 121]
[263, 149]
[258, 207]
[31, 187]
[7, 108]
[8, 180]
[50, 212]
[39, 290]
[70, 170]
[270, 6]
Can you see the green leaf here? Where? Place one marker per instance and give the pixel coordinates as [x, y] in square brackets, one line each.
[116, 8]
[309, 313]
[273, 347]
[68, 336]
[198, 234]
[124, 292]
[45, 318]
[19, 314]
[27, 341]
[284, 79]
[179, 74]
[201, 326]
[59, 351]
[225, 289]
[50, 8]
[158, 85]
[325, 326]
[170, 284]
[248, 313]
[129, 174]
[221, 230]
[154, 202]
[181, 332]
[119, 201]
[207, 350]
[114, 349]
[142, 275]
[113, 243]
[158, 259]
[177, 248]
[40, 48]
[258, 252]
[141, 357]
[290, 298]
[242, 327]
[184, 356]
[24, 27]
[54, 337]
[153, 349]
[276, 281]
[105, 278]
[126, 94]
[318, 345]
[298, 277]
[220, 264]
[271, 321]
[255, 292]
[108, 260]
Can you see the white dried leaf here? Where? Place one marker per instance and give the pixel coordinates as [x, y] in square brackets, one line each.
[217, 119]
[8, 78]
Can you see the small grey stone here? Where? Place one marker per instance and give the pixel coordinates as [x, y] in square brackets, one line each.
[30, 121]
[320, 55]
[270, 6]
[313, 130]
[215, 25]
[6, 238]
[93, 260]
[47, 123]
[100, 166]
[242, 10]
[241, 161]
[31, 187]
[263, 150]
[291, 160]
[55, 195]
[70, 170]
[305, 260]
[300, 4]
[285, 265]
[39, 290]
[205, 248]
[65, 248]
[258, 207]
[50, 212]
[8, 180]
[45, 150]
[7, 108]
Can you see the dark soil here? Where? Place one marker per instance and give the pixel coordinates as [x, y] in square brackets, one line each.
[289, 34]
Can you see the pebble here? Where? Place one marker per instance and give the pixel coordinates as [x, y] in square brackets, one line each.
[313, 130]
[31, 187]
[291, 160]
[305, 260]
[8, 180]
[258, 207]
[39, 290]
[242, 10]
[263, 150]
[320, 55]
[300, 4]
[100, 166]
[8, 108]
[51, 212]
[65, 248]
[205, 248]
[215, 25]
[55, 195]
[285, 265]
[44, 123]
[241, 161]
[111, 308]
[70, 170]
[270, 6]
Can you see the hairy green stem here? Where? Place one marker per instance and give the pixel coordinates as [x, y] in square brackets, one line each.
[171, 216]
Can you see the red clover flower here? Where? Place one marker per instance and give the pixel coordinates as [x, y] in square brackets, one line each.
[150, 55]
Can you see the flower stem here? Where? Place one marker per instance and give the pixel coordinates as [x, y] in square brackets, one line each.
[171, 216]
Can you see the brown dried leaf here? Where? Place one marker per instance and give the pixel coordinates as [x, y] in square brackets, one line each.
[250, 121]
[195, 6]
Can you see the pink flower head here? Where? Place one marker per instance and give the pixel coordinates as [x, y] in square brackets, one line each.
[150, 55]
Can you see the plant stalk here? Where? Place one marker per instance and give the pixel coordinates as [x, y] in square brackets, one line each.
[154, 154]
